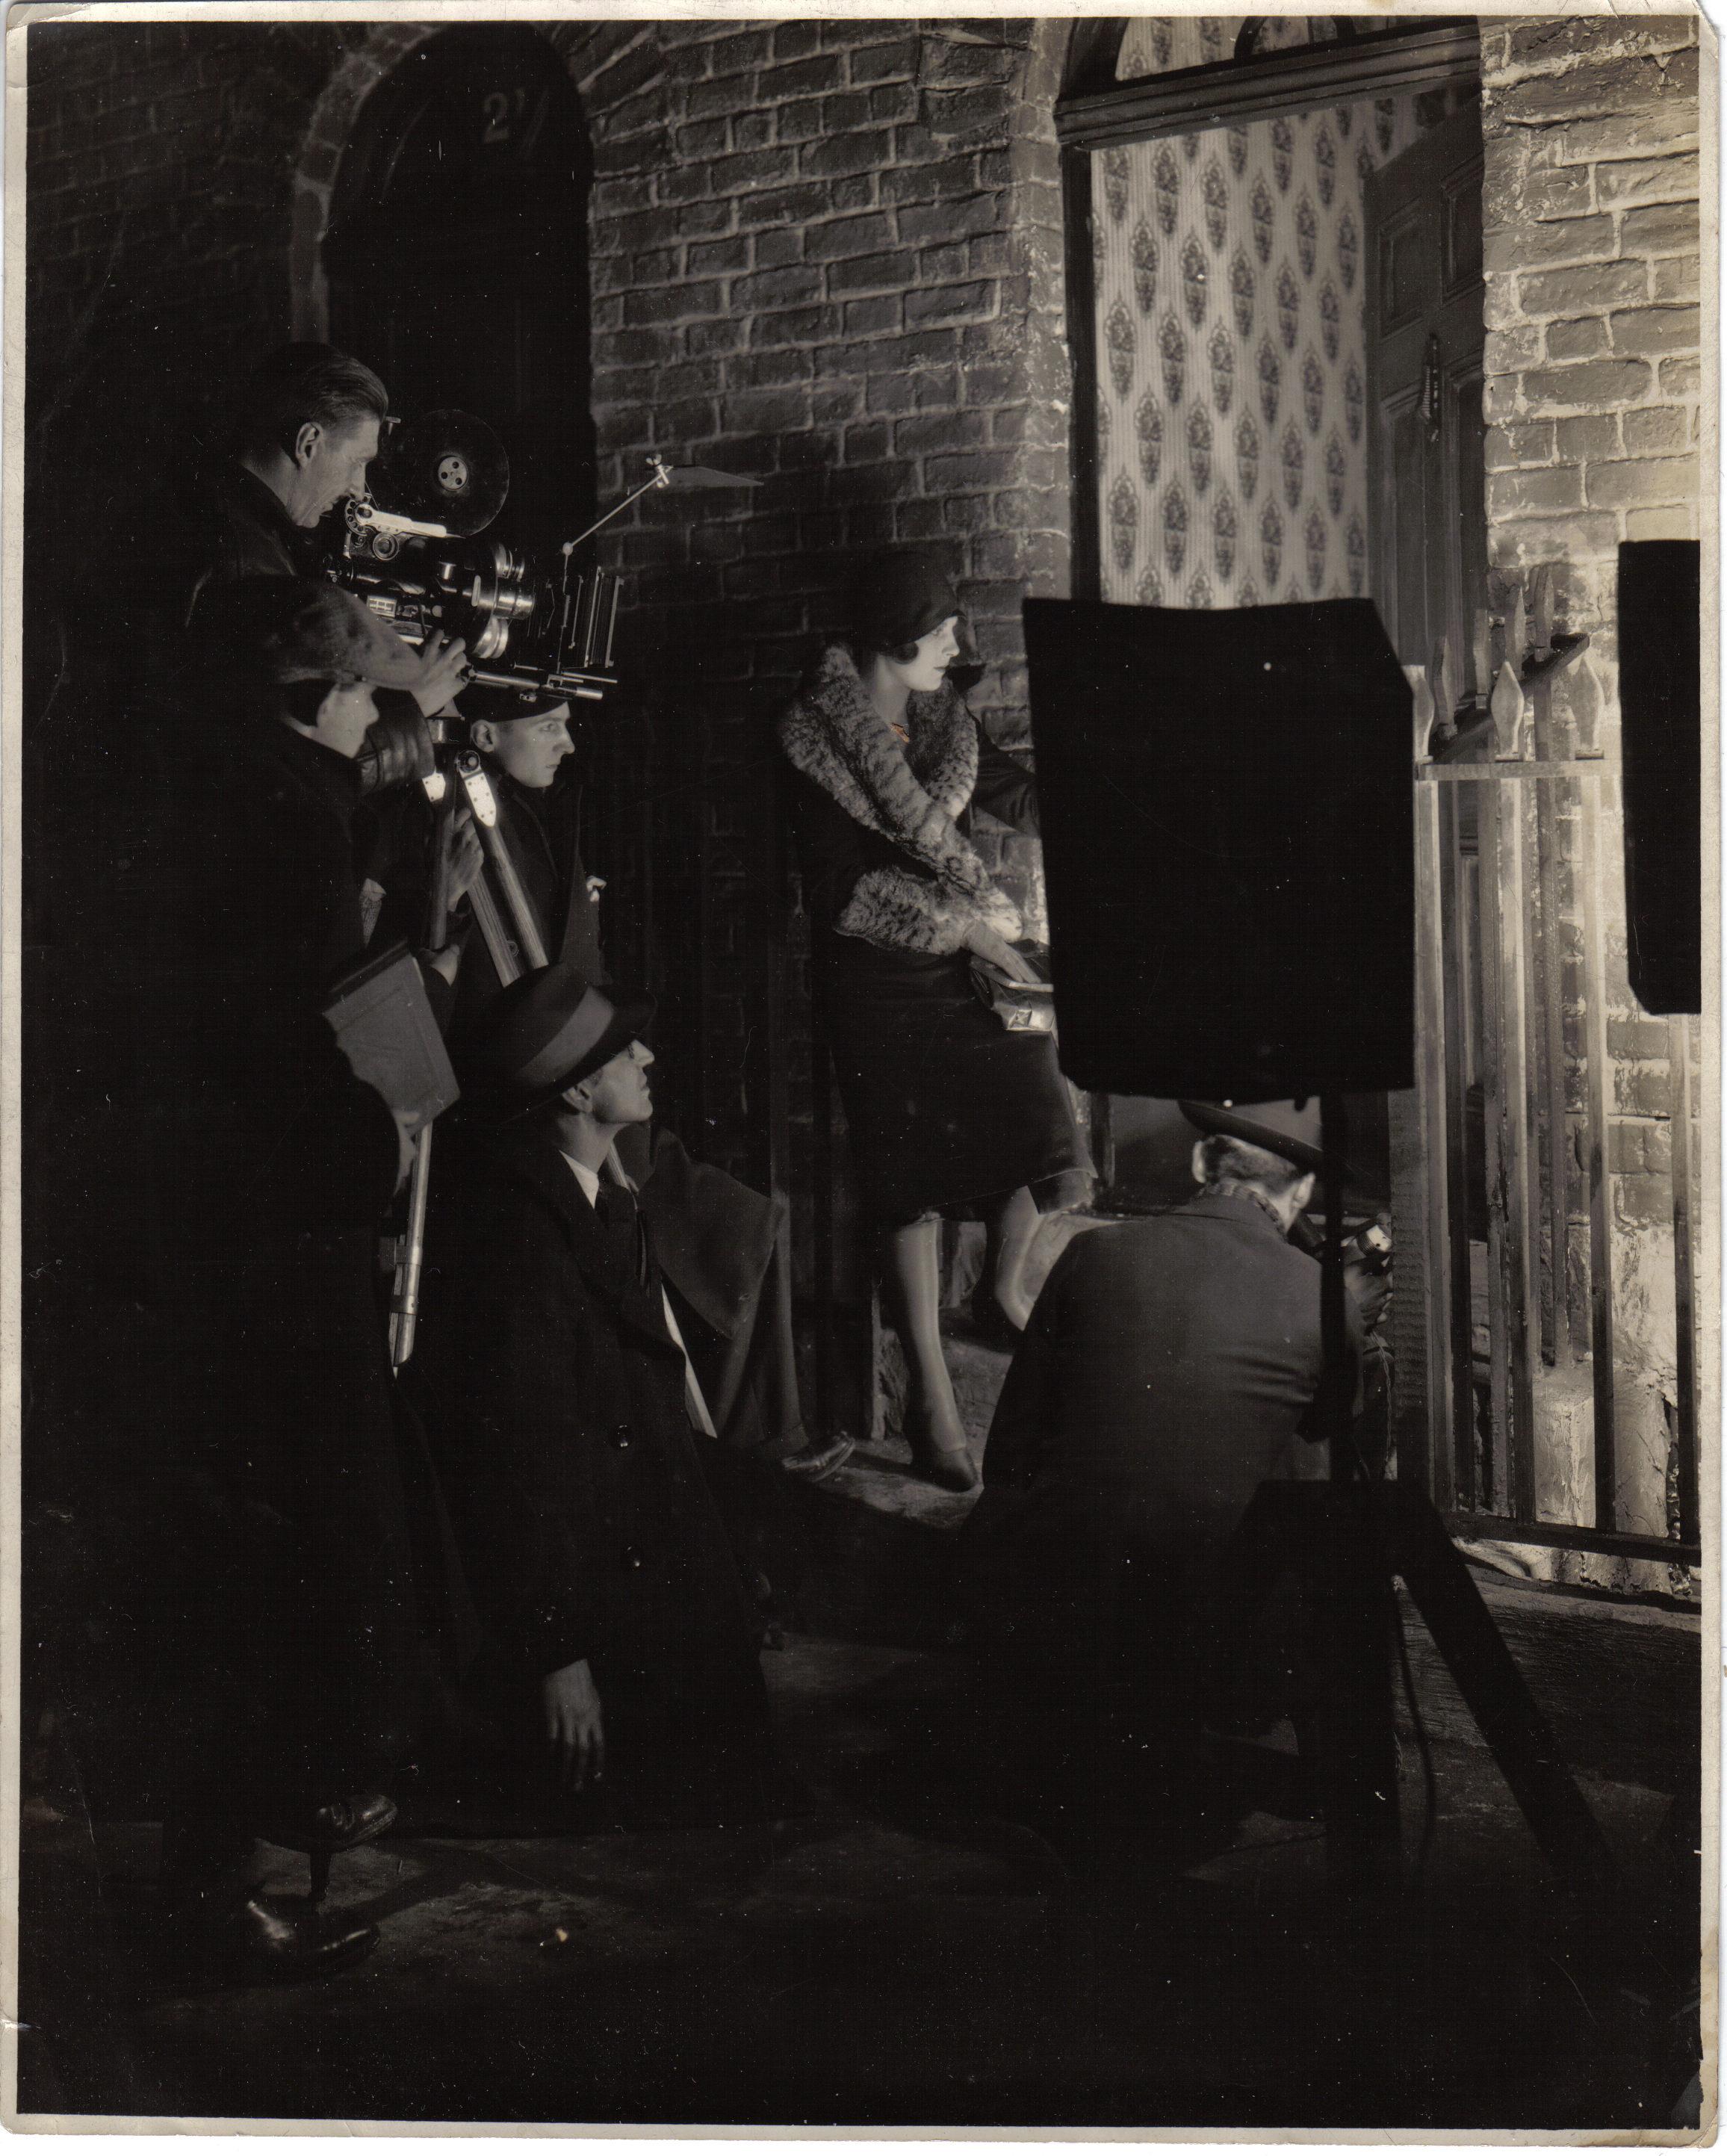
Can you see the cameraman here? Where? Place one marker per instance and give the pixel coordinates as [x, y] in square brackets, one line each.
[303, 426]
[1171, 1365]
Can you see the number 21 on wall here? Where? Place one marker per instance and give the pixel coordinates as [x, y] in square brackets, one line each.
[503, 110]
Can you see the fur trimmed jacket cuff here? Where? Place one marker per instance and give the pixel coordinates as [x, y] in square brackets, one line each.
[910, 794]
[907, 913]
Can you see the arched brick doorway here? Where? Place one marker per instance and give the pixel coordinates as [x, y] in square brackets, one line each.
[456, 256]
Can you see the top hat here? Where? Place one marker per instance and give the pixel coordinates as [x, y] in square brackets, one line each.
[546, 1033]
[293, 628]
[1294, 1133]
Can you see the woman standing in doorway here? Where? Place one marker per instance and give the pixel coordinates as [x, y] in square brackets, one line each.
[950, 1116]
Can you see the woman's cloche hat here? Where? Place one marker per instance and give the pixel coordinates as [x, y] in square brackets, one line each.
[900, 595]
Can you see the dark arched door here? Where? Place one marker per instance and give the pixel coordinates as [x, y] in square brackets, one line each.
[458, 263]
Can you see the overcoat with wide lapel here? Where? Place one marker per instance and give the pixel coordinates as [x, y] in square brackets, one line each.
[268, 1448]
[571, 1466]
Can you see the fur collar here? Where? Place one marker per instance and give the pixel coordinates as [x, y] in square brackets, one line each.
[910, 794]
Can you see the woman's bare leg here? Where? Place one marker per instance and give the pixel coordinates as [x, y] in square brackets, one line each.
[1008, 1236]
[911, 1277]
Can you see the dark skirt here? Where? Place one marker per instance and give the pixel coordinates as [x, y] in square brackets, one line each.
[948, 1111]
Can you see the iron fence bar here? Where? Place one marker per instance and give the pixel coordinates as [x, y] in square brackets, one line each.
[1684, 1276]
[1556, 1534]
[1533, 767]
[1600, 1253]
[1460, 1348]
[1435, 1438]
[1517, 1018]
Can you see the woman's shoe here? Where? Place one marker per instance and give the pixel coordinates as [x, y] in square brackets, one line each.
[949, 1466]
[817, 1462]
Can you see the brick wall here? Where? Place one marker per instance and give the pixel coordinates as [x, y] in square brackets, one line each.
[1595, 401]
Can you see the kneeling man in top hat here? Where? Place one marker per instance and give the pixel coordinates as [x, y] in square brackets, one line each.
[569, 1424]
[1171, 1365]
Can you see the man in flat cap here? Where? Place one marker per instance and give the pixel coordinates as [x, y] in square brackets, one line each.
[523, 739]
[570, 1427]
[279, 1591]
[1171, 1365]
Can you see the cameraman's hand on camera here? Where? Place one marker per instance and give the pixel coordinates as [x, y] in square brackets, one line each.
[984, 943]
[446, 669]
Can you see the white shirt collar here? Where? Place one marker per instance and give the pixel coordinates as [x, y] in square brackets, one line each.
[587, 1177]
[610, 1169]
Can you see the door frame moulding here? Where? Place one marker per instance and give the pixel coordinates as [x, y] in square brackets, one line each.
[1223, 93]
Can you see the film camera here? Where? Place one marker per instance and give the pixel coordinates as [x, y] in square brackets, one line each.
[413, 551]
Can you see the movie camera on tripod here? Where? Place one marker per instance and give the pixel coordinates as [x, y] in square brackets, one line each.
[413, 552]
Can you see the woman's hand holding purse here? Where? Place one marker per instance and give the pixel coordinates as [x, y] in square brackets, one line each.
[984, 943]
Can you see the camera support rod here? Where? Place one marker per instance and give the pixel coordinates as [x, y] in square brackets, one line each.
[661, 477]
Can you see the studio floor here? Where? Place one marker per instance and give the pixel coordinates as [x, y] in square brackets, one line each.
[906, 1956]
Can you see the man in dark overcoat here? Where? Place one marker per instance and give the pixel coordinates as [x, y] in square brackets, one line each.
[280, 1597]
[1171, 1365]
[570, 1425]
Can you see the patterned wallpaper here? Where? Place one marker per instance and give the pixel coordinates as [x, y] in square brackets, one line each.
[1232, 452]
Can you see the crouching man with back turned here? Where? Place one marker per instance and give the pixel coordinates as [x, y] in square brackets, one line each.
[569, 1424]
[1171, 1365]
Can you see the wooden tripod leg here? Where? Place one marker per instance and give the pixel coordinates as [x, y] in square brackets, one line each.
[1346, 1584]
[1354, 1733]
[1514, 1726]
[1325, 1533]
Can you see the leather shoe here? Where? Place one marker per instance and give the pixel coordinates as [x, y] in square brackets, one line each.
[266, 1941]
[947, 1470]
[816, 1462]
[344, 1823]
[948, 1466]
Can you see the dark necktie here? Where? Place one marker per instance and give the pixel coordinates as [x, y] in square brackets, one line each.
[618, 1213]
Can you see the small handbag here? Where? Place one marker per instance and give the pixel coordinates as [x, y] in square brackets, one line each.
[1021, 1006]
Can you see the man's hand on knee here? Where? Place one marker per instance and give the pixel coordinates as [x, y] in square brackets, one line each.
[574, 1727]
